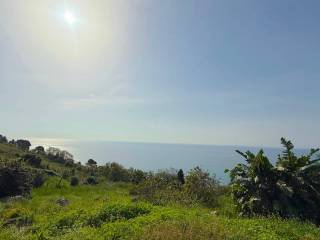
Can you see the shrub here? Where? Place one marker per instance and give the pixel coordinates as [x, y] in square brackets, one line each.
[74, 181]
[117, 212]
[20, 217]
[137, 176]
[51, 173]
[66, 221]
[38, 179]
[3, 139]
[167, 187]
[14, 180]
[159, 188]
[185, 230]
[58, 155]
[91, 180]
[118, 173]
[91, 163]
[69, 163]
[180, 176]
[23, 144]
[39, 150]
[201, 187]
[33, 160]
[288, 189]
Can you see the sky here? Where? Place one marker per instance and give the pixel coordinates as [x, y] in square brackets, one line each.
[223, 72]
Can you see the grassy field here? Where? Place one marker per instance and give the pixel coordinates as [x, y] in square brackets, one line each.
[107, 211]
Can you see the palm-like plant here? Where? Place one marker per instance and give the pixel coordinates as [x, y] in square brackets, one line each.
[291, 188]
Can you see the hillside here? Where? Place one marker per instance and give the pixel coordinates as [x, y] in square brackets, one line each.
[109, 210]
[9, 152]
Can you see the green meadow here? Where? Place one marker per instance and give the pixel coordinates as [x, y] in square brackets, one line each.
[107, 211]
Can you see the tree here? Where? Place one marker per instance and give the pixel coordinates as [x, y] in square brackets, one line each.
[180, 176]
[288, 189]
[39, 150]
[3, 139]
[58, 155]
[23, 144]
[91, 163]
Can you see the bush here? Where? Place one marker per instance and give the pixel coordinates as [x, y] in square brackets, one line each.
[33, 160]
[91, 180]
[23, 144]
[39, 150]
[137, 176]
[91, 163]
[117, 212]
[201, 187]
[288, 189]
[118, 173]
[180, 176]
[170, 187]
[58, 155]
[3, 139]
[38, 179]
[20, 217]
[14, 180]
[160, 188]
[69, 163]
[74, 181]
[185, 230]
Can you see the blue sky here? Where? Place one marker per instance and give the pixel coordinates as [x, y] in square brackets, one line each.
[205, 72]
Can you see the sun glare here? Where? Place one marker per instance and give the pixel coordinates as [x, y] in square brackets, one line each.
[69, 17]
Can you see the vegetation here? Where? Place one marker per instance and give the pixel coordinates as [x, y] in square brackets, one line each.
[23, 144]
[14, 180]
[33, 160]
[57, 198]
[91, 163]
[180, 176]
[290, 189]
[74, 181]
[3, 139]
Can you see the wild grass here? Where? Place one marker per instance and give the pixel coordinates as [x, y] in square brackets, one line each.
[107, 211]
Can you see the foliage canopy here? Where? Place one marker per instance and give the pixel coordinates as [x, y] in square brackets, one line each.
[290, 188]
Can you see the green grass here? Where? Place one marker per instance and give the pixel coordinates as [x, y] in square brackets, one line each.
[8, 151]
[107, 211]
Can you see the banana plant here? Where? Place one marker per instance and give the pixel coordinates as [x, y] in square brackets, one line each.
[290, 188]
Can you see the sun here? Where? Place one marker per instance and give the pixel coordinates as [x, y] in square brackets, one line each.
[69, 17]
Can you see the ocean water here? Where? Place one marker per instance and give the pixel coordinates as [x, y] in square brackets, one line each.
[155, 156]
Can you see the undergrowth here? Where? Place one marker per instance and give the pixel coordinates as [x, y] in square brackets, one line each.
[107, 211]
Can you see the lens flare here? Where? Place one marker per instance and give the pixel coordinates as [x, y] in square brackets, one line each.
[69, 17]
